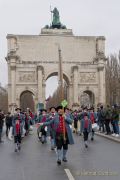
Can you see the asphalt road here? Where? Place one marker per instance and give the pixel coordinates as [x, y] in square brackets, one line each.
[101, 161]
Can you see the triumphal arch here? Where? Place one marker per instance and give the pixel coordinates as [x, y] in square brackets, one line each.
[32, 59]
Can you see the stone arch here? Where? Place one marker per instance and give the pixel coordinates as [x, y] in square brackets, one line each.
[65, 77]
[27, 100]
[87, 98]
[55, 73]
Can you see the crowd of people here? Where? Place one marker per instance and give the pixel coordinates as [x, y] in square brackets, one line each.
[107, 119]
[59, 124]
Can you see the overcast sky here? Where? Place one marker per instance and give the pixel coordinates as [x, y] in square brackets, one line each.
[85, 17]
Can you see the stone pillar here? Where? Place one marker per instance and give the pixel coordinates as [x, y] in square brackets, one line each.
[101, 94]
[13, 89]
[75, 86]
[70, 95]
[40, 84]
[44, 86]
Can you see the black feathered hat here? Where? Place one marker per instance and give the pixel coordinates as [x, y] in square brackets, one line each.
[59, 107]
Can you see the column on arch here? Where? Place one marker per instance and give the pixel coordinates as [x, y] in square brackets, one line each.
[70, 95]
[40, 83]
[13, 83]
[13, 88]
[75, 84]
[102, 98]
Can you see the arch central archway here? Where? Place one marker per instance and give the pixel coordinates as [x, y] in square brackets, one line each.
[55, 98]
[27, 101]
[65, 77]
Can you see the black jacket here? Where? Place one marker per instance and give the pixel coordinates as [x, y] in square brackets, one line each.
[1, 120]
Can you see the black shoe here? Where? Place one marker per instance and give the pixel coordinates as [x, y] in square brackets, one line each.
[52, 148]
[86, 145]
[15, 150]
[59, 162]
[92, 139]
[19, 148]
[64, 159]
[42, 142]
[1, 141]
[106, 133]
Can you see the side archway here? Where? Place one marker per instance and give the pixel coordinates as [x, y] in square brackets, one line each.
[87, 98]
[27, 101]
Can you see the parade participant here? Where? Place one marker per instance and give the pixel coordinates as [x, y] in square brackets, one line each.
[8, 122]
[51, 127]
[86, 128]
[75, 117]
[42, 130]
[108, 115]
[63, 133]
[31, 116]
[81, 116]
[93, 117]
[27, 123]
[102, 118]
[18, 124]
[115, 121]
[1, 124]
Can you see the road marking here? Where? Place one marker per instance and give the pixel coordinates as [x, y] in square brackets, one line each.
[70, 176]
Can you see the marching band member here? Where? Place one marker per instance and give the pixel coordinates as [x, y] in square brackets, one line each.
[63, 133]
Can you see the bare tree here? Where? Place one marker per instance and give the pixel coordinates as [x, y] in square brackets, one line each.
[55, 100]
[3, 99]
[113, 79]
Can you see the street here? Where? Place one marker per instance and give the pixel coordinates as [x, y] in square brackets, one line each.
[100, 161]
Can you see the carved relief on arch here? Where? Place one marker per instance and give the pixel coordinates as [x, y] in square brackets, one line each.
[28, 76]
[88, 77]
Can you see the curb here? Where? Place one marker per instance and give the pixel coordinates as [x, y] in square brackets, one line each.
[108, 137]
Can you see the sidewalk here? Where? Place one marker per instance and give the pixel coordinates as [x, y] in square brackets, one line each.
[110, 137]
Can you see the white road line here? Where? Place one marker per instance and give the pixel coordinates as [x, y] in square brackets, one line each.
[70, 176]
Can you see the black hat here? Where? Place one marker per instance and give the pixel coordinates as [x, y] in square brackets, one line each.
[85, 114]
[43, 110]
[52, 108]
[66, 108]
[59, 107]
[18, 109]
[85, 108]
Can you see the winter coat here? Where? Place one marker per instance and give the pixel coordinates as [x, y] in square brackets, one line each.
[22, 122]
[89, 129]
[68, 122]
[1, 120]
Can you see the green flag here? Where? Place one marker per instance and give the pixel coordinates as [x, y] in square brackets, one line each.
[64, 103]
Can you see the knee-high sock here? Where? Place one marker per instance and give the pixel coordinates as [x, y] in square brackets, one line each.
[64, 153]
[59, 154]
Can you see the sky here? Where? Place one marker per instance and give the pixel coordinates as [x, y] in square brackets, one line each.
[84, 17]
